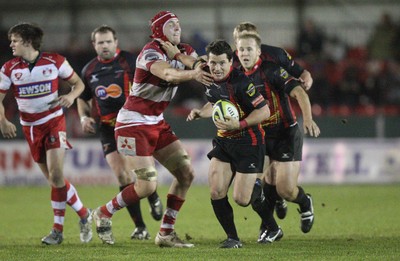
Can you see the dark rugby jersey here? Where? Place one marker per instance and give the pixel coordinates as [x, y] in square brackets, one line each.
[275, 84]
[109, 82]
[278, 56]
[238, 89]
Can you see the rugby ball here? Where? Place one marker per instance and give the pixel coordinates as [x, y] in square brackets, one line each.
[224, 108]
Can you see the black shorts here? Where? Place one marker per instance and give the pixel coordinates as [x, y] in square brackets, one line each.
[243, 158]
[107, 139]
[285, 145]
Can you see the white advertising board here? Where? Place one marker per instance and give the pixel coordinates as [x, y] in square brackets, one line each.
[325, 161]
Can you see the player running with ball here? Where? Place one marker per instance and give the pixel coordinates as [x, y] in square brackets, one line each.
[239, 145]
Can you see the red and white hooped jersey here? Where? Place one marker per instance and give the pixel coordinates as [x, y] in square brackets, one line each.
[150, 95]
[35, 89]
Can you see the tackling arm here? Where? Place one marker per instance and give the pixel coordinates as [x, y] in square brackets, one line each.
[163, 70]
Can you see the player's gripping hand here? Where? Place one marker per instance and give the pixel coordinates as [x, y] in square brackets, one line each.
[203, 76]
[8, 129]
[88, 124]
[311, 128]
[193, 115]
[228, 124]
[170, 49]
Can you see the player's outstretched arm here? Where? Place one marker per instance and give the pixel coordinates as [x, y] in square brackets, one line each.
[163, 70]
[204, 112]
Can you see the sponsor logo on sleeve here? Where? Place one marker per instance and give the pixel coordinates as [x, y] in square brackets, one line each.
[284, 74]
[251, 90]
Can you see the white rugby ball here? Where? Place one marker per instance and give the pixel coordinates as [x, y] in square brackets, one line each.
[222, 108]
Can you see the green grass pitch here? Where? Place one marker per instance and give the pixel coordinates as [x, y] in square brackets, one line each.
[352, 222]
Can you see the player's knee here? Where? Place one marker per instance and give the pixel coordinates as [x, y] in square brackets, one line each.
[286, 192]
[184, 175]
[241, 201]
[56, 177]
[177, 160]
[180, 166]
[147, 173]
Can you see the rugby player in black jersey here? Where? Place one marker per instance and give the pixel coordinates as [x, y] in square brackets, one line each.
[238, 149]
[108, 78]
[283, 137]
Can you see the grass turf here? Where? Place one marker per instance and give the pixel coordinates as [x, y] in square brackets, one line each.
[355, 222]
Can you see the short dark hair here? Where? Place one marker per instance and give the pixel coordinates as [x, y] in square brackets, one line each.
[219, 47]
[30, 33]
[103, 29]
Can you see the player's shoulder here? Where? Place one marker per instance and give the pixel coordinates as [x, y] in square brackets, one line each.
[239, 77]
[266, 48]
[126, 54]
[187, 47]
[52, 56]
[153, 45]
[92, 63]
[10, 64]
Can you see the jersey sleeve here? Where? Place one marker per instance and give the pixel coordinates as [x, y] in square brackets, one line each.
[148, 57]
[281, 78]
[5, 81]
[65, 71]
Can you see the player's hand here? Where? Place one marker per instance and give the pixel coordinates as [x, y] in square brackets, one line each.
[64, 101]
[228, 124]
[202, 76]
[8, 129]
[306, 82]
[170, 49]
[88, 124]
[193, 115]
[311, 128]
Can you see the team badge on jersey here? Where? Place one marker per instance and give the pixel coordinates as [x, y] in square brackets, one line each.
[284, 74]
[18, 76]
[126, 146]
[47, 72]
[251, 90]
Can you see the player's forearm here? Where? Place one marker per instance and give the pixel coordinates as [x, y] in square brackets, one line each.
[304, 103]
[187, 60]
[2, 109]
[257, 116]
[84, 108]
[206, 110]
[177, 76]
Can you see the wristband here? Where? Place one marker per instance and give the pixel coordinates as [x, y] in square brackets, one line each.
[176, 56]
[83, 118]
[243, 124]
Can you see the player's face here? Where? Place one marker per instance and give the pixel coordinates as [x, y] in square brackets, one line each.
[18, 47]
[172, 30]
[219, 65]
[248, 52]
[105, 45]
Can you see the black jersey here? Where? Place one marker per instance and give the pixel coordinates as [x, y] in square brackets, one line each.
[278, 56]
[275, 84]
[109, 83]
[239, 90]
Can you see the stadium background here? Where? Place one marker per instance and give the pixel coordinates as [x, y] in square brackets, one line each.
[360, 129]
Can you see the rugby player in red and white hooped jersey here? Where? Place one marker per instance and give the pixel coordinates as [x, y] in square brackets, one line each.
[33, 77]
[143, 135]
